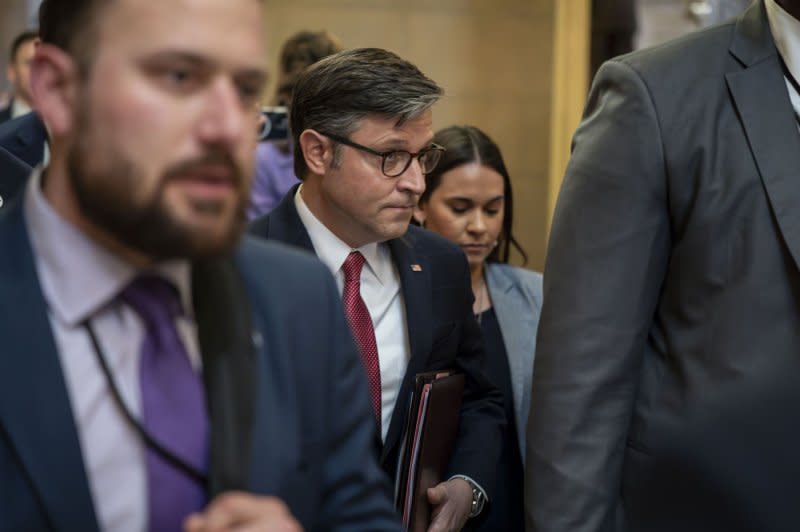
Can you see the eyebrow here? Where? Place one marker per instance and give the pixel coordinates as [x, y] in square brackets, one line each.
[471, 201]
[253, 74]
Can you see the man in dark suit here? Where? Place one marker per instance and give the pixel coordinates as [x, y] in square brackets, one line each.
[153, 378]
[19, 75]
[13, 174]
[23, 144]
[25, 138]
[672, 267]
[361, 122]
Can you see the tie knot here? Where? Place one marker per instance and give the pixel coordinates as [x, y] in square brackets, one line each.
[352, 266]
[154, 298]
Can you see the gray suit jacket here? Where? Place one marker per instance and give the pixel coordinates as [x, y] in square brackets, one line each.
[672, 269]
[516, 295]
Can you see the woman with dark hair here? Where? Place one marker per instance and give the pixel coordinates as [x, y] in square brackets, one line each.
[468, 200]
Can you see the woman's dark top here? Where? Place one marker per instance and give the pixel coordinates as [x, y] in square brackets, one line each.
[506, 509]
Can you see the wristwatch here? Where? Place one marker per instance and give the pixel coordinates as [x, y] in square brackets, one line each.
[478, 498]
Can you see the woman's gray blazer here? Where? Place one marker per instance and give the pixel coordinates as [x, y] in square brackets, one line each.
[516, 296]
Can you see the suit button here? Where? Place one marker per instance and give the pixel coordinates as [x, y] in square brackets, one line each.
[1, 202]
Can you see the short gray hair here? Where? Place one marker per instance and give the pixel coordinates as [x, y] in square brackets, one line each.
[335, 94]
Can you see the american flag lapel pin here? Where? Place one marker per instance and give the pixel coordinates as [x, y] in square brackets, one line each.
[416, 268]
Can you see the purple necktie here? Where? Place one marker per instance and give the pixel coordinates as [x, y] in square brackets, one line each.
[173, 406]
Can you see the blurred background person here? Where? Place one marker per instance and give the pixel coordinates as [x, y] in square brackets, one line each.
[274, 159]
[18, 73]
[468, 200]
[13, 175]
[709, 12]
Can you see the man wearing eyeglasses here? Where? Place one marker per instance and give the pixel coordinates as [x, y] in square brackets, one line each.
[362, 128]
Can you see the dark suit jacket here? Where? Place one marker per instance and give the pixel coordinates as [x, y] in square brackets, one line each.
[442, 332]
[275, 394]
[24, 137]
[13, 176]
[672, 267]
[732, 468]
[5, 113]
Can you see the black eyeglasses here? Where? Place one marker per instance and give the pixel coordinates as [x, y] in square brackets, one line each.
[395, 162]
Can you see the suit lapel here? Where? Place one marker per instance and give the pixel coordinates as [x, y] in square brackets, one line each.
[518, 328]
[226, 341]
[35, 411]
[415, 280]
[30, 139]
[760, 95]
[284, 224]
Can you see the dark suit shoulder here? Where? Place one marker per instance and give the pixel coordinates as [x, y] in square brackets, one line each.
[696, 48]
[284, 282]
[5, 114]
[13, 176]
[284, 262]
[25, 138]
[259, 226]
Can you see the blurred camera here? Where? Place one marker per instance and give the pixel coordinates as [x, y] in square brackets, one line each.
[275, 124]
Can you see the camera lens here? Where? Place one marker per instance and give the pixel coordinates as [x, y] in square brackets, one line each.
[266, 127]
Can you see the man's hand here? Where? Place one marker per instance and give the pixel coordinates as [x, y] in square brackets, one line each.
[243, 512]
[452, 502]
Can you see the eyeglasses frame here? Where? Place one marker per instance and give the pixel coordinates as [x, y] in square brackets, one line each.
[383, 155]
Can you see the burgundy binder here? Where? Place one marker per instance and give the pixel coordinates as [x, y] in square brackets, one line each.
[428, 443]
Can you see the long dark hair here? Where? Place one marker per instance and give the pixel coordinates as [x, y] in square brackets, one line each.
[465, 145]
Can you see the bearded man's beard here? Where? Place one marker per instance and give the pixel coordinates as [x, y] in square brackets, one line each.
[106, 195]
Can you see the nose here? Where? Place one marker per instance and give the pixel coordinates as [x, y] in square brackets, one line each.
[412, 180]
[477, 223]
[225, 120]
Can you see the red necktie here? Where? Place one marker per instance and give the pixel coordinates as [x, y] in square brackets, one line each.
[361, 324]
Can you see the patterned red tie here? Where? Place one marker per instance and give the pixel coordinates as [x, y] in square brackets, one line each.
[361, 324]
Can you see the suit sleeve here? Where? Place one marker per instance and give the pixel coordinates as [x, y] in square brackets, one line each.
[357, 493]
[607, 256]
[482, 420]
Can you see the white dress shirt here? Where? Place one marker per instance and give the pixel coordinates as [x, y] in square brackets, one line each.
[19, 108]
[380, 290]
[786, 33]
[80, 280]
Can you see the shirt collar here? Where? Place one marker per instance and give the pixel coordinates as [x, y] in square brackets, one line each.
[79, 276]
[786, 33]
[19, 108]
[333, 251]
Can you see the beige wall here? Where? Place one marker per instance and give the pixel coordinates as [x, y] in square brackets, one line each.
[570, 81]
[495, 59]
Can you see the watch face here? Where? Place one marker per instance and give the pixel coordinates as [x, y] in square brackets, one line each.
[477, 502]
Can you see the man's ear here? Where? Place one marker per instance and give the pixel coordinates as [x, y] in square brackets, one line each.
[317, 151]
[54, 88]
[11, 75]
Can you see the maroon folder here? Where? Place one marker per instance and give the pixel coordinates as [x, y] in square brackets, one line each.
[430, 435]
